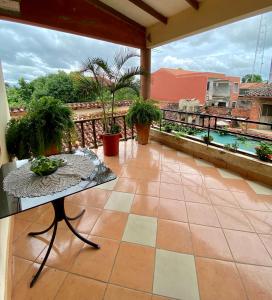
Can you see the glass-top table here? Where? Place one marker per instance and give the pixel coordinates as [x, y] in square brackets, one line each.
[10, 205]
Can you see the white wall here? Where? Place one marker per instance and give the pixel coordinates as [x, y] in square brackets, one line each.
[5, 224]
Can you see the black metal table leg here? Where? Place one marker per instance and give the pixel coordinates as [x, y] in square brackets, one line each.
[77, 216]
[35, 277]
[41, 232]
[59, 216]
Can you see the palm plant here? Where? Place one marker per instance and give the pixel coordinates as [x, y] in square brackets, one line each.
[106, 79]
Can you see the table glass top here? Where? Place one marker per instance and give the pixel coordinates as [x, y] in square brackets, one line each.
[10, 205]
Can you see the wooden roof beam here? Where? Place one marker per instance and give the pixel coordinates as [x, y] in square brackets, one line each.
[193, 3]
[150, 10]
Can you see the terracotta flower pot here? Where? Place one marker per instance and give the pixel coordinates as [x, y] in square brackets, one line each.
[142, 133]
[111, 143]
[52, 150]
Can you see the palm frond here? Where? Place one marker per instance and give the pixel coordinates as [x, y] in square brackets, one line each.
[122, 57]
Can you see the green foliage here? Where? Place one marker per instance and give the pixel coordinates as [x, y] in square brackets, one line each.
[180, 128]
[242, 139]
[252, 78]
[143, 112]
[264, 151]
[231, 147]
[207, 139]
[107, 80]
[115, 128]
[222, 133]
[43, 166]
[168, 128]
[45, 125]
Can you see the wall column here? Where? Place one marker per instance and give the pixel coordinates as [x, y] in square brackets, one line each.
[7, 223]
[146, 78]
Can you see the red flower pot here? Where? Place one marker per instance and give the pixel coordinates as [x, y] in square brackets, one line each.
[111, 143]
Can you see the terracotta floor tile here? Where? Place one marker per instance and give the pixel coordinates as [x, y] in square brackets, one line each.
[91, 197]
[115, 292]
[174, 236]
[96, 263]
[196, 194]
[170, 177]
[191, 179]
[126, 185]
[246, 247]
[32, 215]
[170, 167]
[66, 248]
[267, 240]
[208, 171]
[172, 191]
[148, 188]
[134, 267]
[19, 268]
[45, 288]
[87, 221]
[172, 210]
[30, 247]
[210, 242]
[222, 197]
[20, 227]
[76, 287]
[202, 214]
[155, 297]
[233, 218]
[215, 183]
[260, 188]
[190, 169]
[261, 221]
[218, 280]
[250, 201]
[145, 205]
[111, 224]
[257, 281]
[238, 185]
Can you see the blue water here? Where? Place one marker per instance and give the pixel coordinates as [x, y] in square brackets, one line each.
[248, 146]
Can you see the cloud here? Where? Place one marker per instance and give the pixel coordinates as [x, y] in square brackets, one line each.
[30, 51]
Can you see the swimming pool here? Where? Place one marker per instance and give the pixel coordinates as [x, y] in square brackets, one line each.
[249, 145]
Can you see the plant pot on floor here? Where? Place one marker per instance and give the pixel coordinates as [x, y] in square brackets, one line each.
[111, 143]
[52, 150]
[142, 133]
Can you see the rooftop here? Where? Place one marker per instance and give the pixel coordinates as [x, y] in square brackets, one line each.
[170, 225]
[263, 91]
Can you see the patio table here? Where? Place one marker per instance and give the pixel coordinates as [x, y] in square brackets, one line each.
[10, 205]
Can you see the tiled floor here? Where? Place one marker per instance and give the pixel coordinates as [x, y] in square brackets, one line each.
[170, 227]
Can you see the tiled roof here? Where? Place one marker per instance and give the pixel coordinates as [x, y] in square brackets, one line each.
[252, 85]
[264, 91]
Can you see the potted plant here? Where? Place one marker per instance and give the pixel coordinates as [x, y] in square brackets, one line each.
[207, 139]
[264, 151]
[141, 114]
[105, 80]
[41, 131]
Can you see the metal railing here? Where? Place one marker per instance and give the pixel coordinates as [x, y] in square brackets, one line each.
[210, 123]
[89, 130]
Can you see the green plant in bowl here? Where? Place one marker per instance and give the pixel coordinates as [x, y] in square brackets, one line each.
[43, 166]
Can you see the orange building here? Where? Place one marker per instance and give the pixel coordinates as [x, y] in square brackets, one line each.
[172, 85]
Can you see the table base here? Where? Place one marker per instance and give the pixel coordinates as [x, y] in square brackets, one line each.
[59, 216]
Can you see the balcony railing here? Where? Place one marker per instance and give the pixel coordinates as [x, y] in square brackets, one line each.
[238, 126]
[89, 130]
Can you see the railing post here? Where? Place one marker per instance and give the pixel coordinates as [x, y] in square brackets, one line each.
[82, 135]
[215, 122]
[125, 127]
[94, 133]
[208, 141]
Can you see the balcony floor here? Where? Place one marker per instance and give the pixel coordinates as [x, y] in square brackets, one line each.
[170, 225]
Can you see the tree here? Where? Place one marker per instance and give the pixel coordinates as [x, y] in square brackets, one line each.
[110, 78]
[252, 78]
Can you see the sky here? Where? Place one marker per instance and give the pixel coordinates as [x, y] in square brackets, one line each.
[29, 52]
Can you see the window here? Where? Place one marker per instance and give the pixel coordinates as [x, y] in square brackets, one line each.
[267, 110]
[233, 104]
[208, 85]
[221, 104]
[235, 87]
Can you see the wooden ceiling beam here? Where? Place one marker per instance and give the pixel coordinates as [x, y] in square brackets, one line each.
[193, 3]
[108, 9]
[150, 10]
[78, 17]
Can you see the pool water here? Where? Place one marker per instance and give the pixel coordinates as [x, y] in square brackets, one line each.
[249, 145]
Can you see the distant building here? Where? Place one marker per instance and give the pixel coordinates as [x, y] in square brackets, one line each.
[212, 89]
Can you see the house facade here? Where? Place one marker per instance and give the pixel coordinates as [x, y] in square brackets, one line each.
[212, 89]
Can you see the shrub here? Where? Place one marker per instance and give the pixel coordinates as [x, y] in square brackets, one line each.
[264, 151]
[207, 139]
